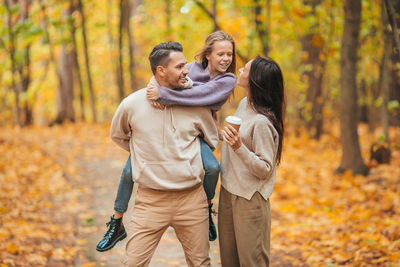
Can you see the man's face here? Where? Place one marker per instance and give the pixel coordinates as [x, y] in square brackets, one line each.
[174, 74]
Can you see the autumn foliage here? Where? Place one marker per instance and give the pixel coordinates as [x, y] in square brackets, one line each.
[318, 218]
[74, 60]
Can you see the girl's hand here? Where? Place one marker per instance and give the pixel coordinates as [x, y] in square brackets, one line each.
[152, 92]
[157, 105]
[232, 137]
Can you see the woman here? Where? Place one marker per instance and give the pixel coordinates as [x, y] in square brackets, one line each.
[248, 166]
[213, 81]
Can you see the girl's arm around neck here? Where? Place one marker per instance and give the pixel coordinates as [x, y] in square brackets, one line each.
[215, 91]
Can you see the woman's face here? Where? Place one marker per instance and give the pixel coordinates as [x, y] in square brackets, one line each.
[220, 57]
[244, 72]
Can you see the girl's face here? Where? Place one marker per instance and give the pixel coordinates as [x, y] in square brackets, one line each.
[243, 80]
[220, 57]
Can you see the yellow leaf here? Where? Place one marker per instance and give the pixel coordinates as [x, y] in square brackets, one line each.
[81, 241]
[12, 248]
[89, 264]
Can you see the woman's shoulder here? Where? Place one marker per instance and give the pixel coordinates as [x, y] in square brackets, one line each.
[264, 122]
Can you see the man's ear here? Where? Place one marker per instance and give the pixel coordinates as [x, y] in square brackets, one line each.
[162, 72]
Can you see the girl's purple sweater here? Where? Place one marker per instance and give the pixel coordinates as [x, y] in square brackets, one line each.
[206, 92]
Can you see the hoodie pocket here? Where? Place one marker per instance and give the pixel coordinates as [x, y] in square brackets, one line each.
[170, 172]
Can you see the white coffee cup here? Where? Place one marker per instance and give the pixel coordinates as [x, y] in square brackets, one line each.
[234, 121]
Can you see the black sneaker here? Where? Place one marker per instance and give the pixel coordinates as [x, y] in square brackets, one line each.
[212, 231]
[116, 232]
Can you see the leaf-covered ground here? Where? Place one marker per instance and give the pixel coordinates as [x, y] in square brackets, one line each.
[318, 218]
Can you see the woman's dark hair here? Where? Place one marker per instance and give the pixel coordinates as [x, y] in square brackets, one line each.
[266, 94]
[208, 46]
[159, 56]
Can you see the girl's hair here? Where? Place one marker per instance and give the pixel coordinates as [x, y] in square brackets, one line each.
[208, 46]
[266, 94]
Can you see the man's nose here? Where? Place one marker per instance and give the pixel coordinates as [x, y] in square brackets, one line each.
[185, 70]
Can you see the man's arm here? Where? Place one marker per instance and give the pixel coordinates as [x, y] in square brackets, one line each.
[120, 130]
[208, 129]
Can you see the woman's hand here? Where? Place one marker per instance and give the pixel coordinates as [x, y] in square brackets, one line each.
[152, 92]
[232, 137]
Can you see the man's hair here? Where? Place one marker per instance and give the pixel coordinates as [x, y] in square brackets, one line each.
[160, 54]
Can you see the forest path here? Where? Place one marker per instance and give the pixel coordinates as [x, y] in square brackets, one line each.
[101, 175]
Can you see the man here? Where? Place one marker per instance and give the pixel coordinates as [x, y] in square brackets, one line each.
[166, 164]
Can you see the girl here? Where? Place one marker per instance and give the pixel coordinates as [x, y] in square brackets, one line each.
[213, 82]
[248, 165]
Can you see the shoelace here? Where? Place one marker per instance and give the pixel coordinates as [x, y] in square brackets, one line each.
[110, 231]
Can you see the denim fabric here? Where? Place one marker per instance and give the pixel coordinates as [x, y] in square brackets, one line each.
[210, 165]
[125, 188]
[211, 168]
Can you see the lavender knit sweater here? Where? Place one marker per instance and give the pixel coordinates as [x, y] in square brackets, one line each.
[206, 92]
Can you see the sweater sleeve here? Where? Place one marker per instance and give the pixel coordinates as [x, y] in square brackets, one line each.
[120, 130]
[261, 162]
[213, 92]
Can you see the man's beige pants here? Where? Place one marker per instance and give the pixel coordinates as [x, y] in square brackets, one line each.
[244, 230]
[186, 211]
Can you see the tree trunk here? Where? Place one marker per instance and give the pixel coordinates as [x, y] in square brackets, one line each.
[25, 70]
[313, 45]
[351, 154]
[395, 88]
[77, 69]
[113, 59]
[65, 97]
[86, 49]
[394, 22]
[23, 85]
[17, 109]
[62, 108]
[131, 46]
[168, 33]
[384, 75]
[120, 68]
[262, 28]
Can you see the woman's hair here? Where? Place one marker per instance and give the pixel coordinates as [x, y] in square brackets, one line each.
[266, 94]
[208, 46]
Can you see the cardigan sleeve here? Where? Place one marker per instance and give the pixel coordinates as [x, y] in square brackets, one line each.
[261, 161]
[212, 94]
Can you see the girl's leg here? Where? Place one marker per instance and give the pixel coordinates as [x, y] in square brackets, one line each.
[211, 168]
[124, 190]
[116, 230]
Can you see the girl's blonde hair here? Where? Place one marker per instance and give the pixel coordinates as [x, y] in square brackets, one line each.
[208, 46]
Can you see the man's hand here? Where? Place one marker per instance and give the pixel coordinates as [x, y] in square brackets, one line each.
[232, 137]
[157, 105]
[152, 92]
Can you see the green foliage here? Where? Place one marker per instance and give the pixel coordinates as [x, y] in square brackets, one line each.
[393, 106]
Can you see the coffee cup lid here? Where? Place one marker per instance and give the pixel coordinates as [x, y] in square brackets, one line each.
[234, 120]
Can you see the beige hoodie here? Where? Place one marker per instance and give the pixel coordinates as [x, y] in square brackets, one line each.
[164, 144]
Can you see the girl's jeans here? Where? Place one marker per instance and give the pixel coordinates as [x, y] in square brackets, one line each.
[210, 165]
